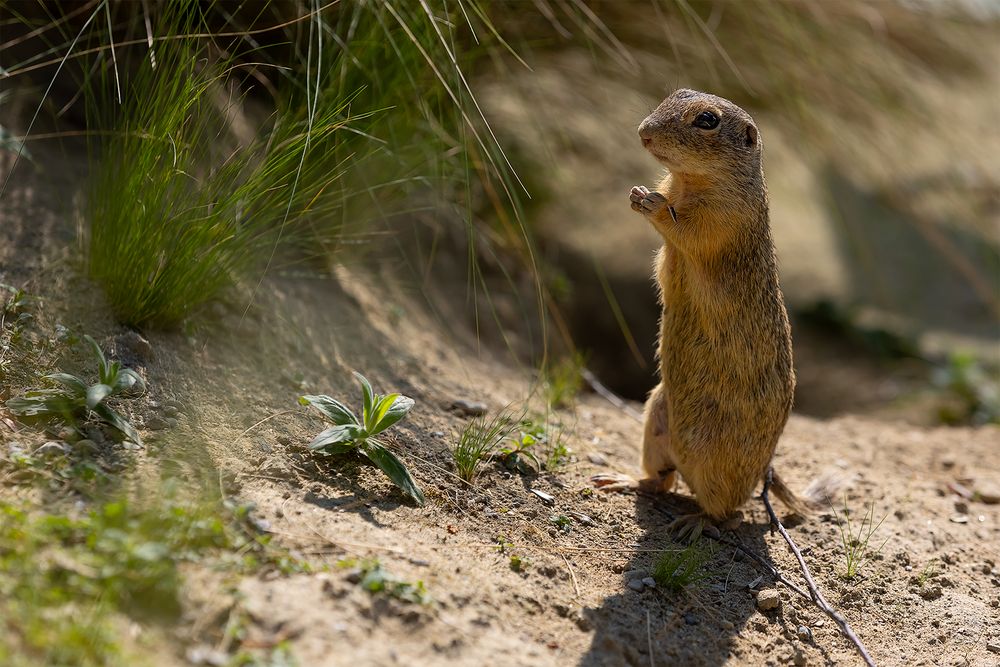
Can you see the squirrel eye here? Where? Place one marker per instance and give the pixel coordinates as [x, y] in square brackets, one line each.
[706, 120]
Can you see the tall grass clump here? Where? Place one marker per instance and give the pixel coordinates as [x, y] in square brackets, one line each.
[179, 208]
[370, 104]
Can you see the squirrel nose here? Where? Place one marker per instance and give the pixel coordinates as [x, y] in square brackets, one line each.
[646, 132]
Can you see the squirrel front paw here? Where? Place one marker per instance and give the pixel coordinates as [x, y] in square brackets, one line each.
[646, 202]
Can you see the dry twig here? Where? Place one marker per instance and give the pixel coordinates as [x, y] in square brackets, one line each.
[814, 593]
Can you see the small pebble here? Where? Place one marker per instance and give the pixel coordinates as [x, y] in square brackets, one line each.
[132, 343]
[545, 497]
[959, 518]
[637, 585]
[156, 423]
[649, 582]
[50, 449]
[993, 646]
[988, 491]
[768, 599]
[170, 411]
[804, 633]
[597, 459]
[469, 408]
[85, 446]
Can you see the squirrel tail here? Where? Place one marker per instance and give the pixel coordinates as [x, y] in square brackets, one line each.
[819, 494]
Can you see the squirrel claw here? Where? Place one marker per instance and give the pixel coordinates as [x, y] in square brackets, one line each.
[614, 481]
[690, 527]
[644, 201]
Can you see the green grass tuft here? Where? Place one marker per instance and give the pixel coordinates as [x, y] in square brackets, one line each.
[677, 569]
[478, 441]
[856, 551]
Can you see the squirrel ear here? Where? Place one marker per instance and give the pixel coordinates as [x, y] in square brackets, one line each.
[751, 136]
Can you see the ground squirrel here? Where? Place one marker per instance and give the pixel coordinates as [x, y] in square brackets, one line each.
[725, 348]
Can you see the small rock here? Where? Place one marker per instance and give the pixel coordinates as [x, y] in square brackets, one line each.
[131, 446]
[804, 633]
[636, 585]
[959, 518]
[947, 463]
[993, 646]
[68, 435]
[545, 498]
[768, 599]
[156, 423]
[85, 446]
[961, 507]
[50, 449]
[134, 345]
[597, 459]
[170, 411]
[206, 655]
[469, 408]
[930, 591]
[649, 582]
[988, 491]
[171, 422]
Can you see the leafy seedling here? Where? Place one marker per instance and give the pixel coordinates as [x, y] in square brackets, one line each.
[676, 569]
[562, 522]
[518, 563]
[477, 442]
[352, 435]
[370, 575]
[76, 401]
[517, 454]
[856, 543]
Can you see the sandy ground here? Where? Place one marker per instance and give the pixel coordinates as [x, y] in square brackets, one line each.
[929, 596]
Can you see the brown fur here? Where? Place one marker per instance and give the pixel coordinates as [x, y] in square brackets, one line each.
[725, 350]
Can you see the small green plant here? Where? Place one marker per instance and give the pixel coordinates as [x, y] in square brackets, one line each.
[478, 440]
[563, 380]
[856, 543]
[558, 454]
[371, 576]
[975, 389]
[76, 401]
[676, 569]
[927, 573]
[518, 454]
[519, 564]
[503, 544]
[562, 522]
[352, 435]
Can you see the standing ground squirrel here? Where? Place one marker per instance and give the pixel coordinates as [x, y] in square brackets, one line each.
[725, 349]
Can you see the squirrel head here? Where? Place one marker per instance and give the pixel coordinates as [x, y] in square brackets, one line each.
[701, 134]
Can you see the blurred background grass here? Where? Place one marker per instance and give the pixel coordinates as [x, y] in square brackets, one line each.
[484, 150]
